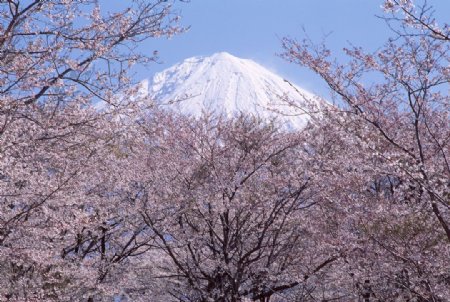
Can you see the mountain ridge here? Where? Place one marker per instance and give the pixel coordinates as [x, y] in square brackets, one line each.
[226, 84]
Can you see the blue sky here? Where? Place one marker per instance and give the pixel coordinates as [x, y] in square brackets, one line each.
[253, 29]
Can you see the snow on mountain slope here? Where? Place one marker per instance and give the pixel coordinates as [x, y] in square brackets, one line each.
[226, 84]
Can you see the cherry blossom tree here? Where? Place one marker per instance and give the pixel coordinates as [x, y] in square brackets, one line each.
[231, 204]
[387, 157]
[62, 160]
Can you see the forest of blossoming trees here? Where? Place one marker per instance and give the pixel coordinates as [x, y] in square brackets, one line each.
[135, 203]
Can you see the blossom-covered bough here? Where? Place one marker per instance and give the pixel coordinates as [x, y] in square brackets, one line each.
[231, 204]
[389, 153]
[59, 157]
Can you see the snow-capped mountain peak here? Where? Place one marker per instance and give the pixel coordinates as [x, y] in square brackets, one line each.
[223, 83]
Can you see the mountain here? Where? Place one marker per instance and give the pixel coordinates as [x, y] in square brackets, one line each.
[223, 83]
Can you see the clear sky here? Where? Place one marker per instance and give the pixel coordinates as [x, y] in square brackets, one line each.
[253, 29]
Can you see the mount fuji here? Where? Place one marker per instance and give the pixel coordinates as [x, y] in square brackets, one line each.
[225, 84]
